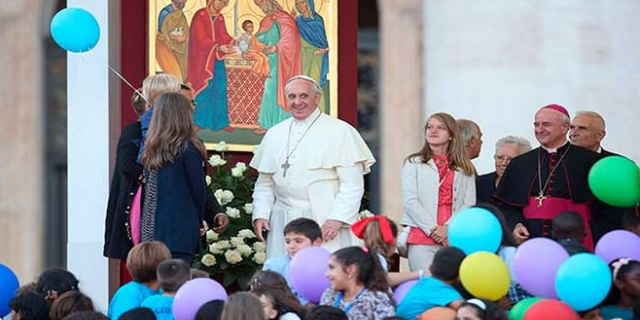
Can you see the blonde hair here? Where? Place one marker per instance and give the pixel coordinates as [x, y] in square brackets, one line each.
[157, 84]
[455, 150]
[243, 306]
[170, 131]
[144, 258]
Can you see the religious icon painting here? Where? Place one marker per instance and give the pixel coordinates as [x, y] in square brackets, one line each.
[236, 55]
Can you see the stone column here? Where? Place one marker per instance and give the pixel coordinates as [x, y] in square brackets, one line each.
[401, 114]
[21, 132]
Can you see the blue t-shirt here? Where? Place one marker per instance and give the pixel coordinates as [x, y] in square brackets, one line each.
[128, 297]
[160, 305]
[280, 265]
[426, 294]
[615, 312]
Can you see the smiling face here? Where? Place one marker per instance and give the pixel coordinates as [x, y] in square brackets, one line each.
[437, 132]
[630, 284]
[302, 99]
[267, 306]
[550, 128]
[586, 132]
[338, 275]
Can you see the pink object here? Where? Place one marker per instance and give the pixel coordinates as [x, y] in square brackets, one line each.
[558, 108]
[134, 216]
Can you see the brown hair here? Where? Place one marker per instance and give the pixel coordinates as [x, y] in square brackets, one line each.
[170, 131]
[374, 242]
[144, 258]
[243, 306]
[455, 150]
[68, 303]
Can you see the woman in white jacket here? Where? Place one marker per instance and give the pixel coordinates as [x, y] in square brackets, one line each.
[437, 182]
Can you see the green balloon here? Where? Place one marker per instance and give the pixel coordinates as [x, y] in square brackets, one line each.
[518, 311]
[615, 180]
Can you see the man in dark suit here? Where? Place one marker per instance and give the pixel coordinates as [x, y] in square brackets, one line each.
[507, 148]
[587, 130]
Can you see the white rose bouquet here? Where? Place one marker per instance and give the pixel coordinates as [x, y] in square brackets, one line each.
[233, 255]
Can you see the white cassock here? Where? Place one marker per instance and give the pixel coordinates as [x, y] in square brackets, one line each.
[324, 180]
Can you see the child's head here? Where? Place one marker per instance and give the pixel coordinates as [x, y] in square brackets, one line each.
[301, 233]
[247, 26]
[29, 305]
[139, 313]
[54, 282]
[172, 274]
[567, 225]
[197, 273]
[211, 310]
[86, 315]
[170, 129]
[354, 265]
[144, 258]
[270, 281]
[276, 303]
[68, 303]
[243, 306]
[479, 309]
[157, 84]
[379, 234]
[626, 280]
[326, 313]
[507, 235]
[446, 264]
[631, 220]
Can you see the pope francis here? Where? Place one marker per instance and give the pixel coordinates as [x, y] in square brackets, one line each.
[312, 166]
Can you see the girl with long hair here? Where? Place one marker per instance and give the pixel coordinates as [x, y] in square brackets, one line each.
[175, 188]
[358, 285]
[277, 293]
[437, 182]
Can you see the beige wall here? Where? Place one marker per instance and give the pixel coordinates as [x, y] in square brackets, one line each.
[21, 136]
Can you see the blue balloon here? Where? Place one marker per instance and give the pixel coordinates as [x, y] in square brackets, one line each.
[475, 229]
[583, 281]
[8, 288]
[75, 29]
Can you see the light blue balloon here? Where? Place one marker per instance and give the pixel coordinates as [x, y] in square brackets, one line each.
[583, 281]
[75, 29]
[475, 229]
[8, 288]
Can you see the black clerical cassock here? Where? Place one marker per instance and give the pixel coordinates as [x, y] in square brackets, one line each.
[538, 185]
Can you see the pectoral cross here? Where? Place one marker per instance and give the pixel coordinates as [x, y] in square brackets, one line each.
[540, 198]
[285, 166]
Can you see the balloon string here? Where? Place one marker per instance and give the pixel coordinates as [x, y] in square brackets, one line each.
[127, 82]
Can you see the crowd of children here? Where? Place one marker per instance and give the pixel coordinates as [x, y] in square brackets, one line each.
[359, 277]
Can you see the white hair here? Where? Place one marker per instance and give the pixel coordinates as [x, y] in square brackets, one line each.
[314, 84]
[523, 144]
[593, 115]
[468, 130]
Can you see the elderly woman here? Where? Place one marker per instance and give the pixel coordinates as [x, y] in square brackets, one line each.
[507, 148]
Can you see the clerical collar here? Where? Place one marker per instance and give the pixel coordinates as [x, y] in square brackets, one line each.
[599, 149]
[552, 150]
[306, 121]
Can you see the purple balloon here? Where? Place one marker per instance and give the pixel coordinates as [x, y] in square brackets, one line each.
[402, 289]
[193, 294]
[535, 266]
[618, 244]
[307, 272]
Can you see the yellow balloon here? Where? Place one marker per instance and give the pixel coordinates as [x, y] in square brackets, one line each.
[485, 275]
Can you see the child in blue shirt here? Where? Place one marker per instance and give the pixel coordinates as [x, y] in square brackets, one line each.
[298, 234]
[172, 274]
[142, 262]
[437, 290]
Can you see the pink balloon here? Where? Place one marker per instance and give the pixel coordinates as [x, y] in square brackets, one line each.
[193, 294]
[401, 290]
[307, 272]
[618, 244]
[535, 266]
